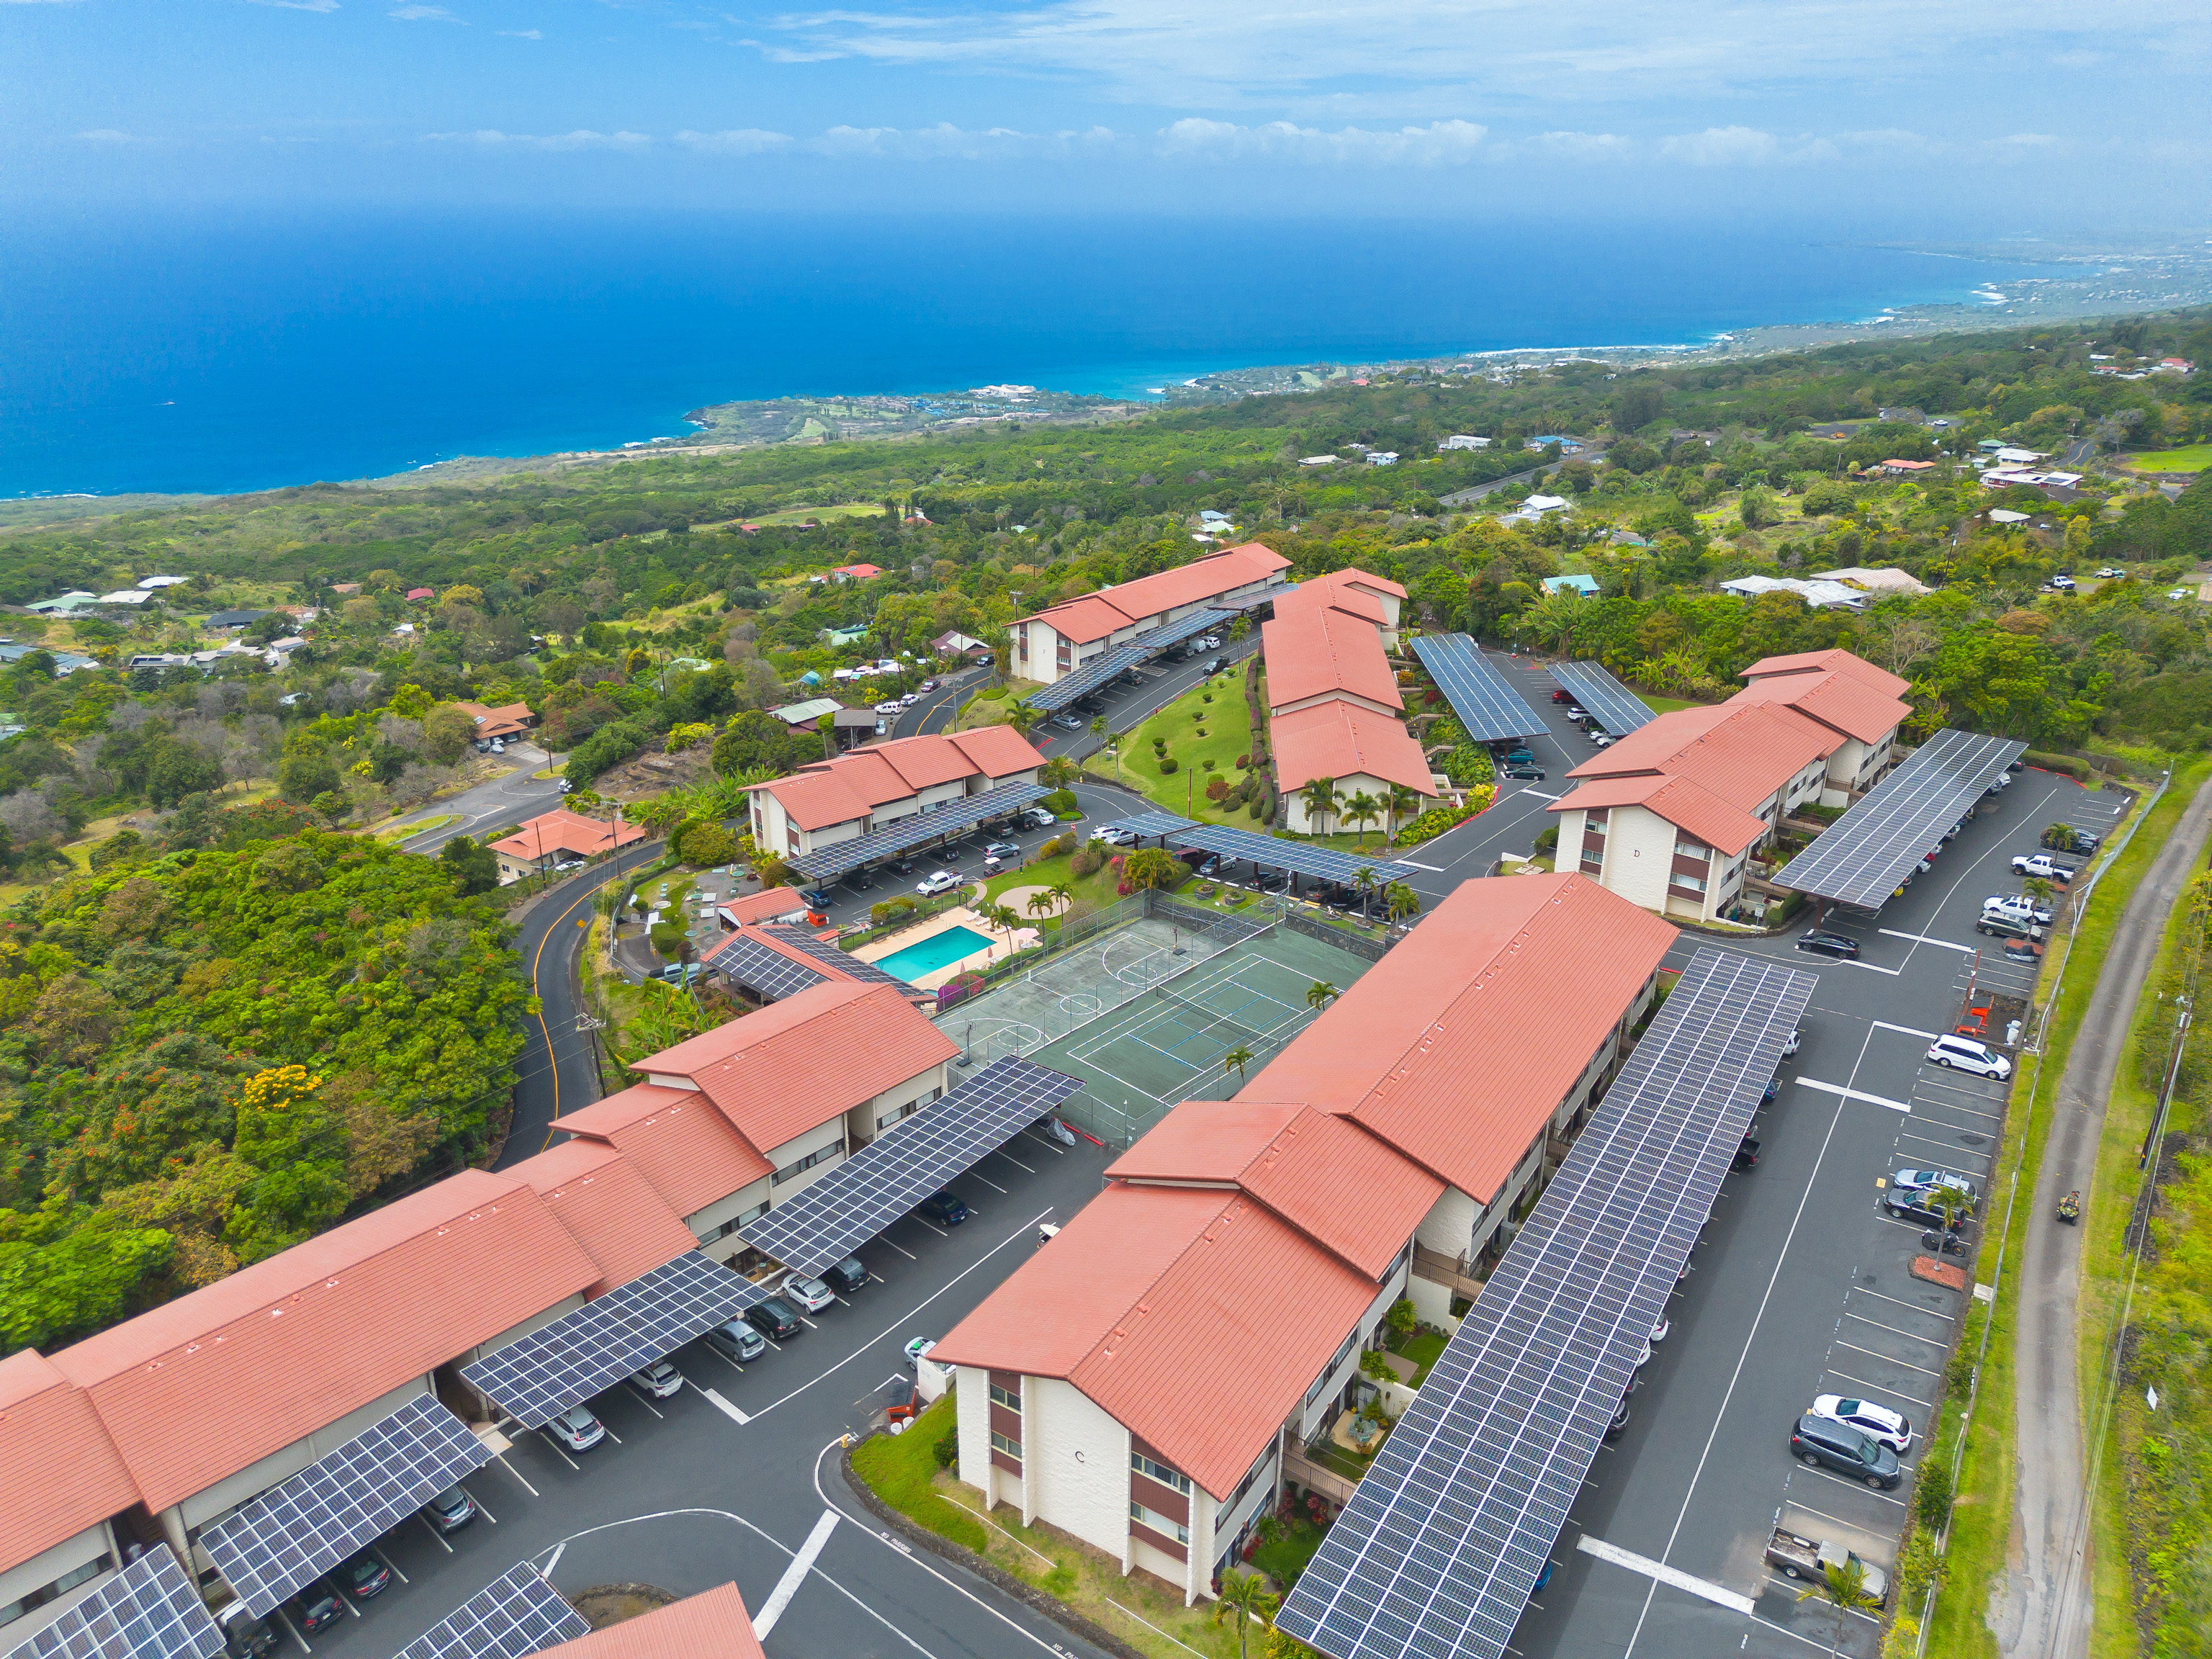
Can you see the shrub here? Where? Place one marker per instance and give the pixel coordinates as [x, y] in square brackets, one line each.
[1267, 811]
[1217, 789]
[2066, 763]
[1253, 810]
[946, 1451]
[1169, 764]
[1207, 763]
[1931, 1495]
[1206, 697]
[1468, 765]
[1243, 762]
[702, 842]
[1548, 840]
[1060, 800]
[1087, 862]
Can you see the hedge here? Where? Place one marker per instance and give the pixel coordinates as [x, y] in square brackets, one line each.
[606, 748]
[2078, 771]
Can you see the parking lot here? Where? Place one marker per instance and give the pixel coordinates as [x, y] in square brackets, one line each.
[727, 1478]
[1801, 1286]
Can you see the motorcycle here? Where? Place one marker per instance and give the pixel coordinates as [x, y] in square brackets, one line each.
[1060, 1131]
[1943, 1244]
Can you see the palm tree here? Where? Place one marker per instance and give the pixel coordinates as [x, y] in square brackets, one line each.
[1045, 900]
[1320, 798]
[1099, 730]
[1021, 716]
[1362, 808]
[1245, 1598]
[1844, 1589]
[2038, 888]
[1236, 1060]
[1057, 773]
[1400, 902]
[1363, 880]
[1404, 802]
[1320, 994]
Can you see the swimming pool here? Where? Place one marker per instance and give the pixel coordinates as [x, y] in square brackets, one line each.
[928, 955]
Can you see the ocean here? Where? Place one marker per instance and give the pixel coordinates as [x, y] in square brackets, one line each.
[228, 353]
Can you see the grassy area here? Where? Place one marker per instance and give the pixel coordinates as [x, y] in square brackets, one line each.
[408, 831]
[902, 1470]
[1286, 1558]
[1422, 1348]
[1091, 889]
[1226, 724]
[1659, 705]
[2195, 458]
[1981, 1523]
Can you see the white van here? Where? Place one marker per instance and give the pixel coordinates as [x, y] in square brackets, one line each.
[1963, 1053]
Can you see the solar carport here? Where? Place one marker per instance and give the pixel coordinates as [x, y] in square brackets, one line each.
[906, 1164]
[1863, 858]
[1296, 858]
[1439, 1548]
[1483, 699]
[150, 1610]
[940, 823]
[515, 1615]
[1103, 671]
[1617, 708]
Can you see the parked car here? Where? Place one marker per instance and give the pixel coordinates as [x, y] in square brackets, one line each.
[1995, 924]
[1912, 1205]
[2021, 950]
[2109, 574]
[2063, 584]
[918, 1350]
[1878, 1423]
[812, 1295]
[316, 1607]
[1602, 739]
[816, 898]
[1520, 755]
[2065, 838]
[1810, 1558]
[774, 1318]
[1002, 849]
[577, 1429]
[1920, 1180]
[2017, 908]
[1964, 1054]
[737, 1341]
[1067, 722]
[1040, 817]
[1796, 1042]
[1618, 1426]
[244, 1636]
[1115, 837]
[1534, 774]
[1838, 1446]
[890, 706]
[657, 1381]
[1659, 1331]
[450, 1509]
[946, 1209]
[860, 880]
[1213, 665]
[940, 881]
[1746, 1156]
[364, 1575]
[847, 1277]
[1828, 944]
[2042, 864]
[1562, 695]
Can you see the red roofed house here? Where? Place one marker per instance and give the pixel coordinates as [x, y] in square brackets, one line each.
[752, 1113]
[712, 1624]
[1364, 753]
[414, 593]
[856, 573]
[844, 799]
[552, 839]
[1149, 1378]
[771, 904]
[1354, 592]
[1905, 469]
[509, 720]
[1859, 702]
[1052, 643]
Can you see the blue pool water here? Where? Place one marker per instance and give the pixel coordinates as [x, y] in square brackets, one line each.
[932, 953]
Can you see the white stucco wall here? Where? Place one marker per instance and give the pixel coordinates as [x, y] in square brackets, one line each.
[1077, 1461]
[42, 1569]
[1449, 1224]
[257, 1478]
[971, 1406]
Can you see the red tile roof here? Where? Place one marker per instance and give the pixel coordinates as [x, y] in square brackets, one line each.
[1319, 652]
[1340, 740]
[692, 1154]
[60, 1473]
[609, 1208]
[290, 1345]
[1458, 1044]
[1323, 593]
[771, 904]
[1681, 802]
[1837, 699]
[997, 751]
[1739, 751]
[1089, 618]
[712, 1624]
[816, 800]
[800, 1062]
[924, 762]
[503, 721]
[551, 834]
[868, 774]
[1821, 662]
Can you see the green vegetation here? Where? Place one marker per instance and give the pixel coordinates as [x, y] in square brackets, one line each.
[1174, 766]
[2194, 459]
[900, 1468]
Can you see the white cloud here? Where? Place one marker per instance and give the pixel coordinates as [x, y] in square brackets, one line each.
[423, 15]
[105, 135]
[491, 138]
[1439, 142]
[1722, 146]
[299, 5]
[522, 34]
[740, 141]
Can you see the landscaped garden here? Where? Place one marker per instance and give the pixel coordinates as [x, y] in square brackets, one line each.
[1200, 737]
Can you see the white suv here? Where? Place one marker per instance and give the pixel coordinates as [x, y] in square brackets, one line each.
[1963, 1053]
[2017, 909]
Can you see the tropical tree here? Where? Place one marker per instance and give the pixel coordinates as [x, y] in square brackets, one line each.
[1362, 808]
[1363, 880]
[1057, 773]
[1002, 916]
[1099, 730]
[1153, 866]
[1241, 629]
[2038, 888]
[1045, 900]
[1022, 717]
[1236, 1060]
[1843, 1588]
[1400, 902]
[1320, 994]
[1245, 1601]
[1404, 804]
[1320, 796]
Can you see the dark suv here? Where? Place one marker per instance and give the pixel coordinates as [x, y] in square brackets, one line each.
[2064, 838]
[774, 1318]
[1838, 1446]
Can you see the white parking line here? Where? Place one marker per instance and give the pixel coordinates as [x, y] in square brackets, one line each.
[1861, 1484]
[992, 1184]
[1953, 1106]
[1852, 1094]
[1853, 962]
[1888, 1361]
[1932, 1341]
[1806, 1509]
[1952, 1146]
[1884, 1025]
[787, 1586]
[1922, 938]
[1939, 1312]
[724, 1406]
[1664, 1573]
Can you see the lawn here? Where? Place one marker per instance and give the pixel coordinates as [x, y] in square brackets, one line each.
[1286, 1558]
[901, 1468]
[1215, 707]
[1091, 889]
[1665, 705]
[408, 831]
[2195, 458]
[1422, 1348]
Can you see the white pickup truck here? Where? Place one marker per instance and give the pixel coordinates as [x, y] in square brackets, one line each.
[2042, 864]
[1811, 1558]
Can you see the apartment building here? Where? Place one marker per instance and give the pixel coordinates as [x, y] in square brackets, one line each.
[1146, 1379]
[1863, 705]
[1355, 592]
[1050, 644]
[870, 788]
[558, 837]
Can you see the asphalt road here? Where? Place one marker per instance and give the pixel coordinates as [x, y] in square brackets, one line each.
[2045, 1607]
[503, 800]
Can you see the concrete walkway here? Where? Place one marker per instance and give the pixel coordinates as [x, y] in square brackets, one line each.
[2042, 1607]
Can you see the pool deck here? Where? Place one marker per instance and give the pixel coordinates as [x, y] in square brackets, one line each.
[959, 916]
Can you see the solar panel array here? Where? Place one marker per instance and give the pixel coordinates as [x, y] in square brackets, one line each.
[1440, 1547]
[510, 1617]
[1483, 699]
[1100, 671]
[749, 963]
[1864, 856]
[1301, 857]
[843, 961]
[149, 1610]
[297, 1530]
[1168, 634]
[611, 1337]
[897, 1170]
[953, 819]
[1150, 823]
[1618, 709]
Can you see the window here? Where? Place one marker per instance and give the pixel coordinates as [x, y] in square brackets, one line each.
[898, 1112]
[1000, 1443]
[1688, 884]
[1690, 849]
[83, 1575]
[822, 1155]
[1159, 1472]
[1009, 1398]
[1158, 1523]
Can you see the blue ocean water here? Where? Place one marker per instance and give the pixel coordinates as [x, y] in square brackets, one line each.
[230, 353]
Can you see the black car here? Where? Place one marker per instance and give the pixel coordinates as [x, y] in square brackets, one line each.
[946, 1209]
[1618, 1426]
[1534, 773]
[450, 1509]
[847, 1277]
[364, 1575]
[859, 881]
[316, 1607]
[245, 1637]
[774, 1318]
[1829, 945]
[1827, 1444]
[2064, 838]
[1746, 1156]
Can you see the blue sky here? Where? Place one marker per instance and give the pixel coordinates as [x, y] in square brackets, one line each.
[1897, 112]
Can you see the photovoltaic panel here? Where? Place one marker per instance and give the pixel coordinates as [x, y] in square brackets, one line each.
[512, 1617]
[1618, 710]
[297, 1530]
[536, 1379]
[1864, 856]
[1167, 634]
[1483, 699]
[953, 819]
[150, 1610]
[1101, 671]
[1150, 823]
[1437, 1553]
[771, 973]
[905, 1164]
[843, 961]
[1300, 858]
